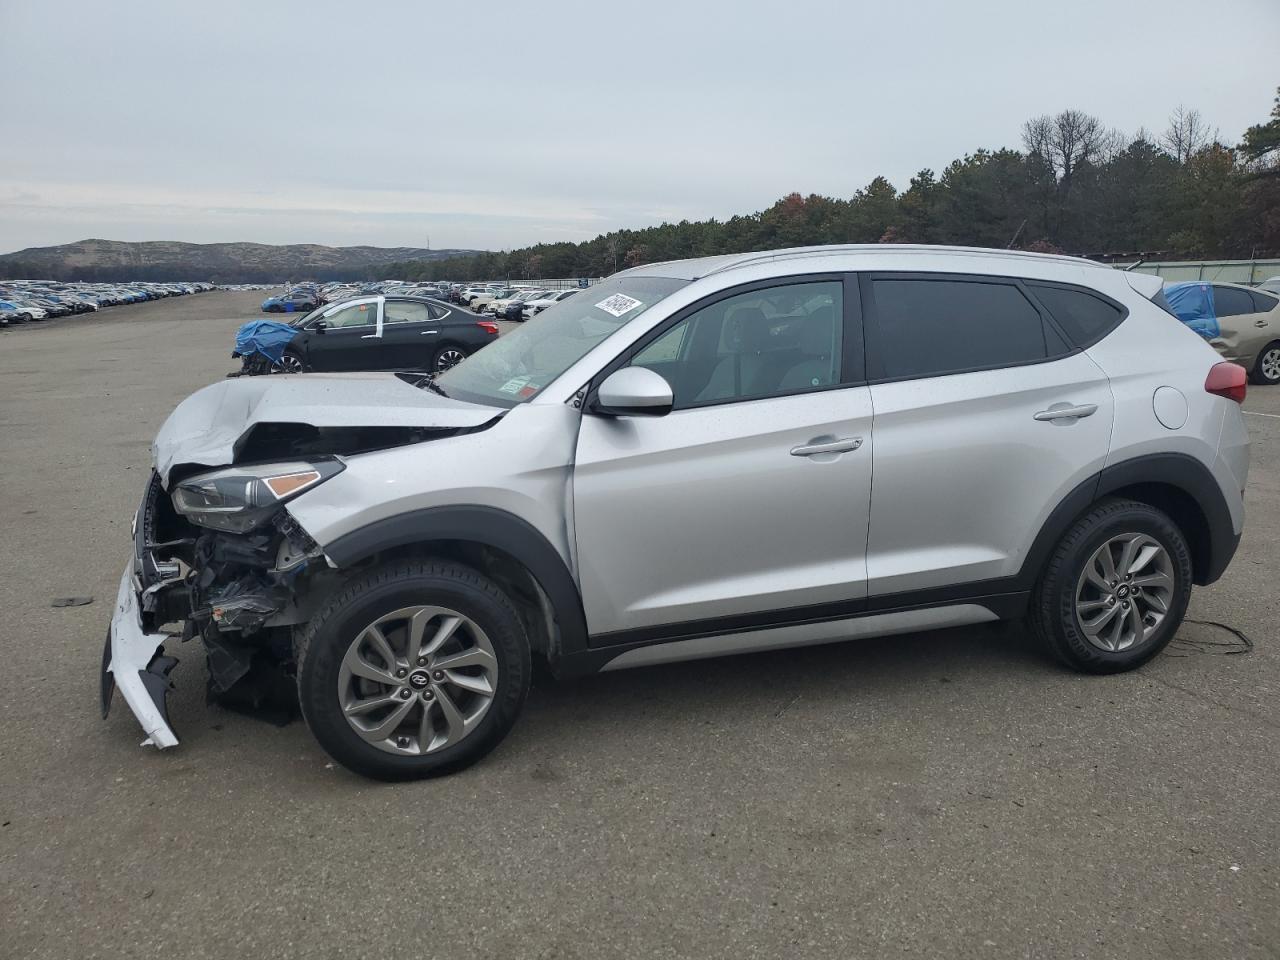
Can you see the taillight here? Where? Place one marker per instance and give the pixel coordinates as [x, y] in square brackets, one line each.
[1227, 380]
[488, 326]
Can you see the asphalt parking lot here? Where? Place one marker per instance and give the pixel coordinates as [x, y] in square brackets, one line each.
[941, 794]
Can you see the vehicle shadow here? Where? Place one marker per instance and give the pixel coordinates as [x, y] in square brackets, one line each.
[699, 691]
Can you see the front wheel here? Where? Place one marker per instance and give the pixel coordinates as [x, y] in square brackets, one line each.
[1266, 369]
[446, 357]
[1115, 590]
[292, 363]
[414, 670]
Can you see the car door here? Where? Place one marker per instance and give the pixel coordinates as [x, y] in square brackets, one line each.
[349, 338]
[748, 501]
[966, 374]
[410, 336]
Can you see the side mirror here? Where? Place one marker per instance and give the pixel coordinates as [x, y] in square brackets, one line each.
[634, 391]
[321, 326]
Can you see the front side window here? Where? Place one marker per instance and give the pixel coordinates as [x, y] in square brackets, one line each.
[405, 311]
[355, 315]
[779, 340]
[929, 327]
[516, 367]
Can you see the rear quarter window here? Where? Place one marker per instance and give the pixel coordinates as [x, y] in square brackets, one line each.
[1084, 318]
[1262, 302]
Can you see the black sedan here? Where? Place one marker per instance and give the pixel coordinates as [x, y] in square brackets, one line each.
[386, 333]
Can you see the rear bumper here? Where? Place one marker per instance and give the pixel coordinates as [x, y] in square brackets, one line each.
[134, 662]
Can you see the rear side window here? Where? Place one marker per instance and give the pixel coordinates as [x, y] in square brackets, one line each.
[929, 327]
[1231, 301]
[1086, 319]
[1263, 303]
[405, 311]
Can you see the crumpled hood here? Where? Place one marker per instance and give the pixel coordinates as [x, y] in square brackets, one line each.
[203, 429]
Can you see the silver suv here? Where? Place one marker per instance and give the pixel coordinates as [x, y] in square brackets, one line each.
[691, 459]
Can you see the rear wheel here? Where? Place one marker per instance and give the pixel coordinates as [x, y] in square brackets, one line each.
[414, 670]
[1266, 369]
[1115, 590]
[448, 356]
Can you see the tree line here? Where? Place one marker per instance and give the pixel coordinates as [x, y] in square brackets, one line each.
[1076, 187]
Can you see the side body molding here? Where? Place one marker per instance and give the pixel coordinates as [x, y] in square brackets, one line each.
[483, 525]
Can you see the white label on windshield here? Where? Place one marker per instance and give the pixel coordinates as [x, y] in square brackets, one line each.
[618, 304]
[513, 385]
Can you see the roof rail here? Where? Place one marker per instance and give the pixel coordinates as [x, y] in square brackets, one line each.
[920, 248]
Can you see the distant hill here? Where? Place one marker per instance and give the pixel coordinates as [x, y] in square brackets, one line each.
[220, 262]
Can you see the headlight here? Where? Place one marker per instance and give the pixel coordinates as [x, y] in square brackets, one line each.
[240, 498]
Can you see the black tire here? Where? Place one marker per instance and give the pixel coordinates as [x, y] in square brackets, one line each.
[1053, 603]
[297, 366]
[1266, 369]
[321, 646]
[444, 353]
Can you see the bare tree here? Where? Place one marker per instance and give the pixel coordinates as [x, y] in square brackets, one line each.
[1068, 140]
[1187, 134]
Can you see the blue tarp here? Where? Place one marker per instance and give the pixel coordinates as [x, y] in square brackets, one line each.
[1192, 303]
[267, 337]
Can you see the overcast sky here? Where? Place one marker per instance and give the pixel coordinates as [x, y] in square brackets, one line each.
[498, 124]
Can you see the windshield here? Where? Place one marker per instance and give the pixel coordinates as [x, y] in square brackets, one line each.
[302, 318]
[518, 365]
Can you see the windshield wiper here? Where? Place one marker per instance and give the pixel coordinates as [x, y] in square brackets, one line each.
[430, 384]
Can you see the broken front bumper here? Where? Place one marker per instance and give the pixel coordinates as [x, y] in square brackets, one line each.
[135, 662]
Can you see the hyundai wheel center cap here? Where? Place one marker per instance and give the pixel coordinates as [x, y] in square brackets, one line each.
[419, 679]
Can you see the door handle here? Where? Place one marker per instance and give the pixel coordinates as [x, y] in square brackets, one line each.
[427, 333]
[1065, 411]
[831, 446]
[1259, 323]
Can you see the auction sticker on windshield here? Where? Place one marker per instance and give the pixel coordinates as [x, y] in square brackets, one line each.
[618, 304]
[514, 385]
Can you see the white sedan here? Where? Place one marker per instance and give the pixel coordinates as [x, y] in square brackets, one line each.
[534, 307]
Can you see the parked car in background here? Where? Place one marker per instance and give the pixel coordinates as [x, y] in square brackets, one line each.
[481, 301]
[470, 293]
[536, 305]
[41, 299]
[297, 301]
[384, 333]
[11, 314]
[1270, 286]
[1241, 323]
[679, 465]
[499, 307]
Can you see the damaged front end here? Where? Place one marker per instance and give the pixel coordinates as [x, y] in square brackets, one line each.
[216, 553]
[236, 588]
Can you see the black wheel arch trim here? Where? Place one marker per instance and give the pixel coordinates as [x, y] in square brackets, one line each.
[488, 526]
[1213, 546]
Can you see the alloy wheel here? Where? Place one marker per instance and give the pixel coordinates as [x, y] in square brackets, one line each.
[1270, 364]
[417, 680]
[290, 363]
[450, 357]
[1124, 592]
